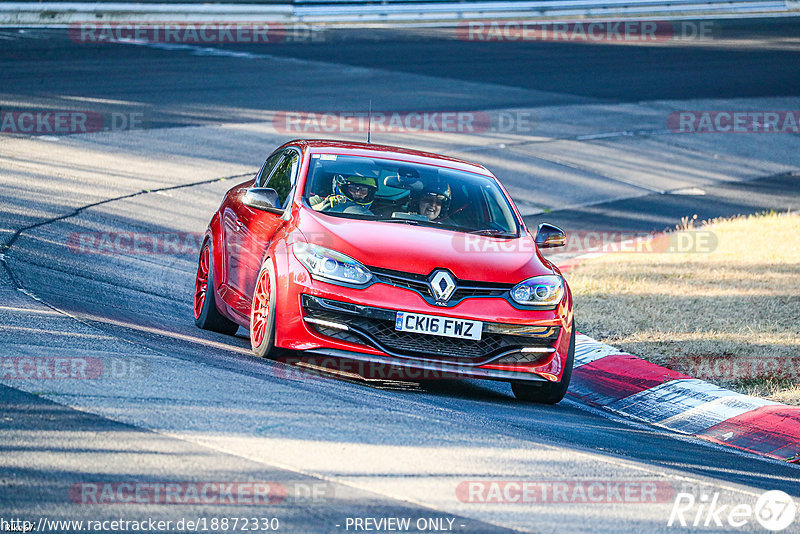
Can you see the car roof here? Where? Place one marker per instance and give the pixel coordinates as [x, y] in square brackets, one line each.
[351, 148]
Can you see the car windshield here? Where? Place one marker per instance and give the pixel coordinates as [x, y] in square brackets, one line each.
[408, 193]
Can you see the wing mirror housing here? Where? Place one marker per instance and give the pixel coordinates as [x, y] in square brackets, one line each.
[549, 236]
[262, 198]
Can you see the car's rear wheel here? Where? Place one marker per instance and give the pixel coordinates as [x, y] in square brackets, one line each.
[547, 393]
[206, 314]
[262, 312]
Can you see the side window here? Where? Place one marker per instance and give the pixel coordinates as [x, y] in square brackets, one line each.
[267, 168]
[282, 179]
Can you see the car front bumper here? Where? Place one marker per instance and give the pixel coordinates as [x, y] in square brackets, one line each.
[337, 322]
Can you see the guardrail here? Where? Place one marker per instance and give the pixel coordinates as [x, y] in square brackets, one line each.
[543, 9]
[390, 11]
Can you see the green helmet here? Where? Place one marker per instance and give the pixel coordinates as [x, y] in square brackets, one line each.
[342, 183]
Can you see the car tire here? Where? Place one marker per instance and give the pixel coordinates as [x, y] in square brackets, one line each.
[206, 314]
[262, 312]
[551, 392]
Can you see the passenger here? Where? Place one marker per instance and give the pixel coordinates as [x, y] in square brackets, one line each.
[352, 193]
[434, 201]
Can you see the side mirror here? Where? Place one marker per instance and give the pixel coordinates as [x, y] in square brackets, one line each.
[549, 236]
[262, 198]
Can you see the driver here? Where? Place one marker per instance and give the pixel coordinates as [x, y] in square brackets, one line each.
[351, 193]
[434, 201]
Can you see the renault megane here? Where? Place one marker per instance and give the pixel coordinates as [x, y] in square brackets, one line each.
[397, 257]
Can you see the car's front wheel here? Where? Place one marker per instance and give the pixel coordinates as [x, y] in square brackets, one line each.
[548, 393]
[262, 312]
[206, 314]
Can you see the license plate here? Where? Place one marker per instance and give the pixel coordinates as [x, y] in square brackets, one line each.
[438, 326]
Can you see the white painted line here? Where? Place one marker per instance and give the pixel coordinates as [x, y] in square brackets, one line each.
[196, 50]
[623, 133]
[687, 191]
[589, 137]
[29, 294]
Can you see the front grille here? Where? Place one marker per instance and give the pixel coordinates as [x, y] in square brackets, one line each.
[375, 327]
[414, 282]
[419, 283]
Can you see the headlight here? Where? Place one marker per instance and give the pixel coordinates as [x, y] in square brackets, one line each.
[544, 290]
[328, 264]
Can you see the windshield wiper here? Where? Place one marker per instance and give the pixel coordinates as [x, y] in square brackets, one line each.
[404, 221]
[492, 232]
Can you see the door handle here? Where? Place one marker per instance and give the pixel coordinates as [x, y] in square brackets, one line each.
[239, 224]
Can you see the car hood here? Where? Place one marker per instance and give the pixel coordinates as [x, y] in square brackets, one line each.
[420, 249]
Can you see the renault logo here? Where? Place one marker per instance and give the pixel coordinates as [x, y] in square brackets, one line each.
[442, 286]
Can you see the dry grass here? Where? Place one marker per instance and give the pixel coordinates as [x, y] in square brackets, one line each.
[730, 316]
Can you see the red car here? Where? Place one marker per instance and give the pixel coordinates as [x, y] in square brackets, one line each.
[367, 253]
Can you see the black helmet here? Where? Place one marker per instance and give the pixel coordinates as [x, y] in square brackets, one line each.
[440, 190]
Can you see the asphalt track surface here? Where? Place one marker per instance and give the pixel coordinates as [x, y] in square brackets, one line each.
[197, 407]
